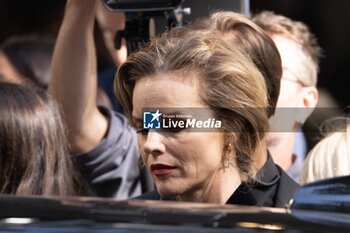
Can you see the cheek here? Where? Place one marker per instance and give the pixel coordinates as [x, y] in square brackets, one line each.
[285, 98]
[209, 151]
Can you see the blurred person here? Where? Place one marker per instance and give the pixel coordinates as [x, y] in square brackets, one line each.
[33, 147]
[330, 157]
[195, 69]
[103, 143]
[27, 59]
[273, 187]
[327, 108]
[110, 23]
[298, 97]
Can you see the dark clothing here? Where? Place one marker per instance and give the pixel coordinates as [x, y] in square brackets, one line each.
[274, 189]
[299, 154]
[242, 197]
[111, 168]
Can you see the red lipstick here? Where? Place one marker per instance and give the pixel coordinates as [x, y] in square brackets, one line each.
[159, 169]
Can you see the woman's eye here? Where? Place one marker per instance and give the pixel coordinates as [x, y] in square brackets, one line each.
[177, 126]
[176, 129]
[142, 131]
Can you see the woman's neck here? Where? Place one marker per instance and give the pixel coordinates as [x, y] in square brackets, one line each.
[217, 189]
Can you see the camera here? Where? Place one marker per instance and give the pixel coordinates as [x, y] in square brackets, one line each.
[139, 15]
[141, 5]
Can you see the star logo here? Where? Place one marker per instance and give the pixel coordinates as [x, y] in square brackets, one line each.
[151, 120]
[155, 115]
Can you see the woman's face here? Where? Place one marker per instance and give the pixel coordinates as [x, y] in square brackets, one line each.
[183, 163]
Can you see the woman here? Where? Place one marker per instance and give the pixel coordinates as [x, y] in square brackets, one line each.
[33, 150]
[194, 69]
[273, 187]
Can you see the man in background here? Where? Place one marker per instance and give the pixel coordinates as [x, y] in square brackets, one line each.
[300, 54]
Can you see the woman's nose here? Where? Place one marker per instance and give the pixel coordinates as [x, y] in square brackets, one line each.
[154, 143]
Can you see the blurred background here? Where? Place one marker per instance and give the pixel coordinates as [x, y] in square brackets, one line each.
[328, 20]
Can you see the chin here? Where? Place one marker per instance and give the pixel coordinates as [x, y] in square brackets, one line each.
[168, 190]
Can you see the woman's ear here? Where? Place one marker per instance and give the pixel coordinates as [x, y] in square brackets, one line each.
[228, 147]
[229, 142]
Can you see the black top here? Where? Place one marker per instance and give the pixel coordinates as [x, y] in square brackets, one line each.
[274, 189]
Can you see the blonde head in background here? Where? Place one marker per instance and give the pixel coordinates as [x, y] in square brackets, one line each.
[329, 158]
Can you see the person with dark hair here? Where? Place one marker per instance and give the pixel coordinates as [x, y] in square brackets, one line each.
[27, 59]
[34, 157]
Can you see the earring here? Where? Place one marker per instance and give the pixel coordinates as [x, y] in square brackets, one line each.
[228, 157]
[228, 161]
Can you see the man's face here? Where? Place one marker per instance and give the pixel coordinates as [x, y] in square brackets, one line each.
[292, 76]
[291, 94]
[298, 97]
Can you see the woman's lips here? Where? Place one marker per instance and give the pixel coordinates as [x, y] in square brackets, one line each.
[159, 169]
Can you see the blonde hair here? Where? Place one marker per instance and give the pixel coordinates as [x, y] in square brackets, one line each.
[300, 34]
[253, 42]
[230, 84]
[329, 158]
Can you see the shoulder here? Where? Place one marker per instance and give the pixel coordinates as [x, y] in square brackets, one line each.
[286, 188]
[274, 188]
